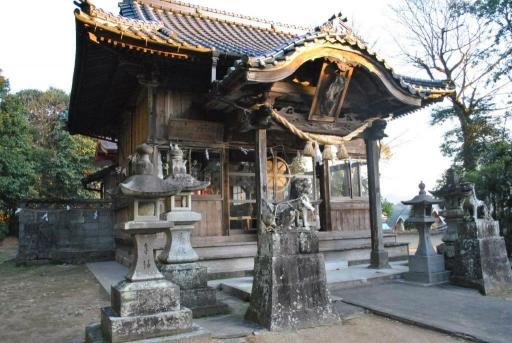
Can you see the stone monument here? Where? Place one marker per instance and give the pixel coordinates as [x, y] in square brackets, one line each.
[289, 289]
[453, 194]
[178, 261]
[425, 266]
[480, 259]
[145, 306]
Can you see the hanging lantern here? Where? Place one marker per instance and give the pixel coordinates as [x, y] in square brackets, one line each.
[327, 154]
[298, 165]
[342, 153]
[309, 150]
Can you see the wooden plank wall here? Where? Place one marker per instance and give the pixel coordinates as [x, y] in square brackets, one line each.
[134, 130]
[170, 104]
[350, 216]
[176, 105]
[211, 221]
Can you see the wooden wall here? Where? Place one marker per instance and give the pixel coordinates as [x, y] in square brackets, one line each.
[170, 105]
[211, 221]
[350, 216]
[134, 130]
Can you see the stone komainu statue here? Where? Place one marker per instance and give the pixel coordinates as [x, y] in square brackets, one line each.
[291, 213]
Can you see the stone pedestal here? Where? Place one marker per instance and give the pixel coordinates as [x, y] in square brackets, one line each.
[195, 293]
[481, 258]
[426, 266]
[178, 265]
[289, 289]
[427, 269]
[145, 305]
[447, 248]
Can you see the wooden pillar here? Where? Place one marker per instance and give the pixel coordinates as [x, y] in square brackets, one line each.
[226, 191]
[261, 173]
[379, 257]
[325, 195]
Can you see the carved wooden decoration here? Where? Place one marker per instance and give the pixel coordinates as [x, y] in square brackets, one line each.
[330, 92]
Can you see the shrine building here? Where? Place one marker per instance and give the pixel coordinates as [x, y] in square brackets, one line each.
[253, 103]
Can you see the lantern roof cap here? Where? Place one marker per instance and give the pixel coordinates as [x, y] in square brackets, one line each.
[422, 198]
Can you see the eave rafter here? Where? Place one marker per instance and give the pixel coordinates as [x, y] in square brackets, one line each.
[344, 47]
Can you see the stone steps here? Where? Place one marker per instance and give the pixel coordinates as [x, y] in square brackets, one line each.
[342, 278]
[233, 256]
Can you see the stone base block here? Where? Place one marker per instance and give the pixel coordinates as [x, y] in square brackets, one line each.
[195, 293]
[127, 329]
[483, 264]
[289, 292]
[93, 334]
[202, 302]
[426, 264]
[145, 297]
[210, 310]
[428, 278]
[379, 259]
[448, 251]
[185, 275]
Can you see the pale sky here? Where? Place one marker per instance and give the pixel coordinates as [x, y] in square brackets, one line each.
[37, 47]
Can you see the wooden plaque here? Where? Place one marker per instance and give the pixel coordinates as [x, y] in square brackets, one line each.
[195, 130]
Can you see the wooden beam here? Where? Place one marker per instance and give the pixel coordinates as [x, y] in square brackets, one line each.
[325, 195]
[378, 256]
[226, 189]
[261, 173]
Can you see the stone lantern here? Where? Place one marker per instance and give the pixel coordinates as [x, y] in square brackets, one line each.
[178, 261]
[426, 266]
[454, 193]
[145, 305]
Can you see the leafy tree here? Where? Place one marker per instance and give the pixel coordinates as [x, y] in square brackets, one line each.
[17, 167]
[387, 208]
[63, 164]
[61, 160]
[447, 43]
[499, 14]
[38, 157]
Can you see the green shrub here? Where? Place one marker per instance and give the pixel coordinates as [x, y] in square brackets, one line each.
[4, 230]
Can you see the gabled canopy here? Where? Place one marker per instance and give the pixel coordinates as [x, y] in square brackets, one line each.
[255, 55]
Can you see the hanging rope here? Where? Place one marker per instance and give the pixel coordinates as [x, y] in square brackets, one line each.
[321, 139]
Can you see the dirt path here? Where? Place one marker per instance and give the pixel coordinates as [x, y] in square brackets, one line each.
[367, 329]
[50, 303]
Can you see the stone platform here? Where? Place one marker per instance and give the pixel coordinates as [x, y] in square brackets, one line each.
[449, 309]
[197, 335]
[338, 277]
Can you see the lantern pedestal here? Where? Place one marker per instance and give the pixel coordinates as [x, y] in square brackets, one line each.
[426, 266]
[145, 305]
[427, 269]
[178, 262]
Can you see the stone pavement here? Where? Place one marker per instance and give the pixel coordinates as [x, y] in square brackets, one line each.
[449, 309]
[337, 278]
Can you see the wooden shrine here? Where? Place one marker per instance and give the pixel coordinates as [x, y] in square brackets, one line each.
[243, 97]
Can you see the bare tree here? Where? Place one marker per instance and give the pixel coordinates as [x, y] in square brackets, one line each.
[447, 43]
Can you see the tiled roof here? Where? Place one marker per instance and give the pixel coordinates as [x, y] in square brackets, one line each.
[329, 35]
[261, 43]
[203, 27]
